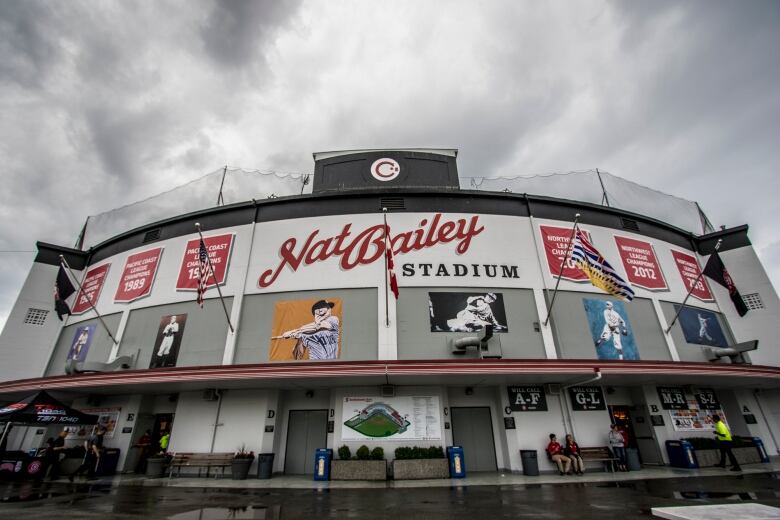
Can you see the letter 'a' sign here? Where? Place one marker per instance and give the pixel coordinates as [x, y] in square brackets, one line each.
[218, 247]
[527, 398]
[672, 398]
[584, 398]
[707, 399]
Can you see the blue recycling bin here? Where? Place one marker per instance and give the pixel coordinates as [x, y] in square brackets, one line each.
[681, 454]
[322, 458]
[457, 462]
[761, 449]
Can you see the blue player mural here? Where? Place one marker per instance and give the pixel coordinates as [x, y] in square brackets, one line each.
[610, 329]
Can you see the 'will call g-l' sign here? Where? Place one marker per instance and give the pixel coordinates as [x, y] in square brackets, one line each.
[672, 398]
[527, 398]
[585, 398]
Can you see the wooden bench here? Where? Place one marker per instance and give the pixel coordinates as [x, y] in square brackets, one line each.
[200, 461]
[599, 454]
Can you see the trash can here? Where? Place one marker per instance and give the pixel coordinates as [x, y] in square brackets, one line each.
[456, 461]
[761, 450]
[106, 466]
[530, 463]
[322, 458]
[681, 455]
[155, 467]
[632, 459]
[265, 465]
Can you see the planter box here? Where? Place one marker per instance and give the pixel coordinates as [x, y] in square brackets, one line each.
[420, 468]
[358, 470]
[748, 455]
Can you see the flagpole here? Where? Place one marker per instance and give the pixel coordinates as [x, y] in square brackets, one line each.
[701, 274]
[560, 271]
[387, 296]
[89, 299]
[214, 276]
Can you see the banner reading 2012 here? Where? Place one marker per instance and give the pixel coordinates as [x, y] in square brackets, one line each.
[218, 248]
[138, 275]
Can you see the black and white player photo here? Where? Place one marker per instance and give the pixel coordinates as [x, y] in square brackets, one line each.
[166, 346]
[467, 312]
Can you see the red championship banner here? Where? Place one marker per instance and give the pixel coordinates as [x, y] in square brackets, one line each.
[690, 271]
[556, 241]
[219, 248]
[641, 264]
[90, 289]
[138, 276]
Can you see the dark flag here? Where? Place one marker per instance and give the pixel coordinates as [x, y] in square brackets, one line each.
[718, 273]
[62, 291]
[203, 273]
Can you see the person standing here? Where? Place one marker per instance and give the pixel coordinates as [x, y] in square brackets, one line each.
[724, 443]
[165, 439]
[617, 444]
[93, 446]
[144, 446]
[572, 450]
[555, 452]
[57, 453]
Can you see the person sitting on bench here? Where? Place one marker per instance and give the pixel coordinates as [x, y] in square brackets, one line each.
[555, 452]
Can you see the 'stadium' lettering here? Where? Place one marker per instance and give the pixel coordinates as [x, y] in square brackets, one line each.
[368, 245]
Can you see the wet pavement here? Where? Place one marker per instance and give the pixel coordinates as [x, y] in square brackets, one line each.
[582, 500]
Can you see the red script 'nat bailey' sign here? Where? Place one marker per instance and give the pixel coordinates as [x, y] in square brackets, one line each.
[367, 246]
[218, 248]
[138, 275]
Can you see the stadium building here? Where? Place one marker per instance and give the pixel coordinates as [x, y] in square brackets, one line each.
[301, 342]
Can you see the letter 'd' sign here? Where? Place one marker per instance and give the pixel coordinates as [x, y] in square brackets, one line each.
[527, 398]
[585, 398]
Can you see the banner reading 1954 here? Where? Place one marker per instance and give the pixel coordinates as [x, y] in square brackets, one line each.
[218, 247]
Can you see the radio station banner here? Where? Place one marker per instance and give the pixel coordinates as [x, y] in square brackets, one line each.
[587, 398]
[219, 248]
[707, 399]
[90, 289]
[610, 329]
[689, 270]
[641, 263]
[82, 339]
[695, 418]
[466, 312]
[306, 330]
[701, 327]
[528, 398]
[391, 418]
[672, 398]
[166, 346]
[138, 275]
[556, 241]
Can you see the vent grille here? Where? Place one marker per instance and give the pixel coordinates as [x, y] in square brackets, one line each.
[753, 301]
[35, 316]
[392, 203]
[152, 235]
[627, 223]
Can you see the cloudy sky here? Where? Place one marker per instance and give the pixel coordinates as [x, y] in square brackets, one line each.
[104, 103]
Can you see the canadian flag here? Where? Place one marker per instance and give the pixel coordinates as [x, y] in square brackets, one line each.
[390, 263]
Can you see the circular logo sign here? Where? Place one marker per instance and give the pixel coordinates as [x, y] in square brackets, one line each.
[34, 467]
[385, 169]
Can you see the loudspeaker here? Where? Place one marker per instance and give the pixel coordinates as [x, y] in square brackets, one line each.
[553, 388]
[387, 391]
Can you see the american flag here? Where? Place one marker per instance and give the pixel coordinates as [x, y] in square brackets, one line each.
[390, 262]
[598, 270]
[203, 272]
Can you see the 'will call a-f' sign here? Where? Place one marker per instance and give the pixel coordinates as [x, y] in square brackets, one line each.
[584, 398]
[527, 398]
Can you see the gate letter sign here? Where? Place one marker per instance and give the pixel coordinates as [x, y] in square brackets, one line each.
[707, 399]
[672, 398]
[527, 398]
[584, 398]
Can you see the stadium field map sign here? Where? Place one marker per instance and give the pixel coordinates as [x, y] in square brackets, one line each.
[391, 418]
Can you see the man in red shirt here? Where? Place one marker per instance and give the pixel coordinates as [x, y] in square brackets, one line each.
[555, 452]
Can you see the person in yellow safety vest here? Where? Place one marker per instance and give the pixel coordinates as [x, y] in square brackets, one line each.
[724, 443]
[164, 440]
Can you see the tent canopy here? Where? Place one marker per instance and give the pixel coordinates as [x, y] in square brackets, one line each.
[41, 408]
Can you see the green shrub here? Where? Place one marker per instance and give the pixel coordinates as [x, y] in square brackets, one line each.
[363, 453]
[344, 453]
[378, 453]
[416, 452]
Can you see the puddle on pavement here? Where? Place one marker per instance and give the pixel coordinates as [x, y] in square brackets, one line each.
[31, 491]
[229, 513]
[721, 495]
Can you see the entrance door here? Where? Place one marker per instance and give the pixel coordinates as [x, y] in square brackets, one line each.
[645, 436]
[472, 429]
[307, 430]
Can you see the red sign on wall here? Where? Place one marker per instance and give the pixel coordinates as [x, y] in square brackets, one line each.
[556, 241]
[138, 275]
[640, 262]
[219, 254]
[90, 289]
[690, 271]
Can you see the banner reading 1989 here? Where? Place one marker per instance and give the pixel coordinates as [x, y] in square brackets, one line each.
[218, 248]
[138, 275]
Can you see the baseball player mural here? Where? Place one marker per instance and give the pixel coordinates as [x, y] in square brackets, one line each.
[82, 339]
[471, 312]
[166, 347]
[610, 329]
[306, 330]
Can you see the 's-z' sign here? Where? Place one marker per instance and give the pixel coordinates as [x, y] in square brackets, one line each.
[672, 398]
[527, 398]
[585, 398]
[707, 399]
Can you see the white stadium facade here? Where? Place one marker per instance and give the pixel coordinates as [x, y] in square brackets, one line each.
[318, 335]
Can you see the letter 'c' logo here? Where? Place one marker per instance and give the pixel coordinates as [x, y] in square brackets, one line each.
[385, 169]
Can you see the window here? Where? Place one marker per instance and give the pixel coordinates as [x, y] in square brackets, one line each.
[753, 301]
[35, 316]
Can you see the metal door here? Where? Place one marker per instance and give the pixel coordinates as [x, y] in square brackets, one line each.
[646, 442]
[472, 428]
[307, 430]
